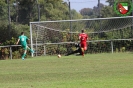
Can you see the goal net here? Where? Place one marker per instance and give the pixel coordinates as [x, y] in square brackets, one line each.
[53, 37]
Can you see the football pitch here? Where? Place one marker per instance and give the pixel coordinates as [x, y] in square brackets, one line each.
[104, 70]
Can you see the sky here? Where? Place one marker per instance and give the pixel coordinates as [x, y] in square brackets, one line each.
[80, 4]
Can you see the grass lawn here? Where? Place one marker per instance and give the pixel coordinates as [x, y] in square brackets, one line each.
[104, 70]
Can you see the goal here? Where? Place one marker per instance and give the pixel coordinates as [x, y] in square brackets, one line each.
[53, 37]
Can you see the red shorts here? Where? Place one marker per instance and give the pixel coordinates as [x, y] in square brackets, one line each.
[83, 45]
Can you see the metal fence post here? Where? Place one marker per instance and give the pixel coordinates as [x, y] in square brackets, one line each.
[112, 46]
[44, 50]
[11, 52]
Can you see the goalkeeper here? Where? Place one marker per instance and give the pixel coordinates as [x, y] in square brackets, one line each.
[78, 50]
[23, 41]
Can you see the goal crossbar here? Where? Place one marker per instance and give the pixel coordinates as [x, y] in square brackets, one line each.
[82, 19]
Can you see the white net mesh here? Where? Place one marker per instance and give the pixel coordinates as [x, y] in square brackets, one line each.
[66, 31]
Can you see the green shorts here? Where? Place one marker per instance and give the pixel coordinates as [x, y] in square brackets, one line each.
[24, 47]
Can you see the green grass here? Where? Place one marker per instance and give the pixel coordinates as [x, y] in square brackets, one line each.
[93, 71]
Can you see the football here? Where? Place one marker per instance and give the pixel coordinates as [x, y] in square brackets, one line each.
[59, 56]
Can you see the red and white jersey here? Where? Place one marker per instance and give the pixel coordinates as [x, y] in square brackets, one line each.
[83, 37]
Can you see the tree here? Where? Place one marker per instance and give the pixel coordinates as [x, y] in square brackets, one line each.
[26, 11]
[22, 12]
[108, 11]
[3, 11]
[91, 12]
[97, 10]
[75, 15]
[86, 11]
[54, 10]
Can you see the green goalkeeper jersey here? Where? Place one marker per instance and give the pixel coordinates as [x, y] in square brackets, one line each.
[23, 40]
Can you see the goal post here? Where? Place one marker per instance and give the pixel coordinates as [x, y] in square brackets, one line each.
[53, 34]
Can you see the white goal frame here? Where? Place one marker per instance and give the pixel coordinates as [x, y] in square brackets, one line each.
[38, 22]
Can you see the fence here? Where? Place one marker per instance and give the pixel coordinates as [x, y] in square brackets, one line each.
[11, 51]
[96, 46]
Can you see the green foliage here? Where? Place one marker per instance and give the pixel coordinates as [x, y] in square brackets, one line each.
[10, 42]
[86, 11]
[4, 53]
[76, 15]
[13, 32]
[92, 12]
[108, 11]
[54, 10]
[3, 11]
[16, 55]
